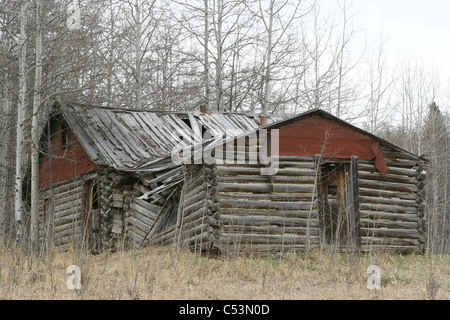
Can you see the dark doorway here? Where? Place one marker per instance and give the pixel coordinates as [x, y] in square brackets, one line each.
[91, 214]
[337, 191]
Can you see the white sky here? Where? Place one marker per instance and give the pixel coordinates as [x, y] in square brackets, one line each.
[420, 28]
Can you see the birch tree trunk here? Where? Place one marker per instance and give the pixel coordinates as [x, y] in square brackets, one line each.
[35, 133]
[138, 54]
[20, 122]
[219, 61]
[268, 57]
[206, 56]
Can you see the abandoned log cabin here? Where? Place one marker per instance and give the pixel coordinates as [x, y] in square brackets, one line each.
[256, 184]
[96, 161]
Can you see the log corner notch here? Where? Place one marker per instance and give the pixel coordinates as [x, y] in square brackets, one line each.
[420, 168]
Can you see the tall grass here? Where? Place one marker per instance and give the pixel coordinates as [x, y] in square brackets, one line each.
[170, 273]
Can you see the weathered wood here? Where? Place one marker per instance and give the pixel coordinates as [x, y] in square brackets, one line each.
[265, 239]
[264, 221]
[391, 233]
[388, 178]
[272, 196]
[305, 214]
[138, 224]
[75, 216]
[201, 196]
[389, 241]
[391, 248]
[388, 224]
[388, 208]
[252, 170]
[148, 219]
[270, 230]
[265, 188]
[376, 192]
[392, 170]
[391, 186]
[386, 201]
[389, 216]
[267, 204]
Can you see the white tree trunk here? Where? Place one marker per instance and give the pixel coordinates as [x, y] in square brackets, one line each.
[268, 60]
[35, 133]
[206, 57]
[138, 54]
[20, 122]
[219, 60]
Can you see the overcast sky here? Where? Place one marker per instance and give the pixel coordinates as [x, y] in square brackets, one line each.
[419, 28]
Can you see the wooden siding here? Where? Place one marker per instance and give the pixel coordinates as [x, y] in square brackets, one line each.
[268, 214]
[68, 202]
[391, 209]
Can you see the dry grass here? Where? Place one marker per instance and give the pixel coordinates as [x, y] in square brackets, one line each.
[166, 273]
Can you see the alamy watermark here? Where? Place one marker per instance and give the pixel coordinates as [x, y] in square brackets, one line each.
[258, 147]
[74, 281]
[374, 281]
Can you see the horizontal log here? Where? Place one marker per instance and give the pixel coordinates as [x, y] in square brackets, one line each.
[68, 205]
[390, 233]
[252, 170]
[389, 241]
[376, 192]
[388, 178]
[66, 185]
[63, 227]
[270, 230]
[305, 214]
[389, 216]
[402, 163]
[76, 216]
[392, 170]
[265, 239]
[296, 164]
[366, 223]
[267, 204]
[388, 208]
[386, 201]
[389, 152]
[265, 221]
[391, 186]
[391, 248]
[264, 196]
[265, 250]
[266, 188]
[69, 232]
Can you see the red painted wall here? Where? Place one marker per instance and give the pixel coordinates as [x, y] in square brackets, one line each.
[67, 162]
[316, 135]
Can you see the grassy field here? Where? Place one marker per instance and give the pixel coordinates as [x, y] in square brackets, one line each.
[167, 273]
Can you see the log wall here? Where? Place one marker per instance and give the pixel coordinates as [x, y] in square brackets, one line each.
[266, 214]
[198, 223]
[68, 200]
[391, 209]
